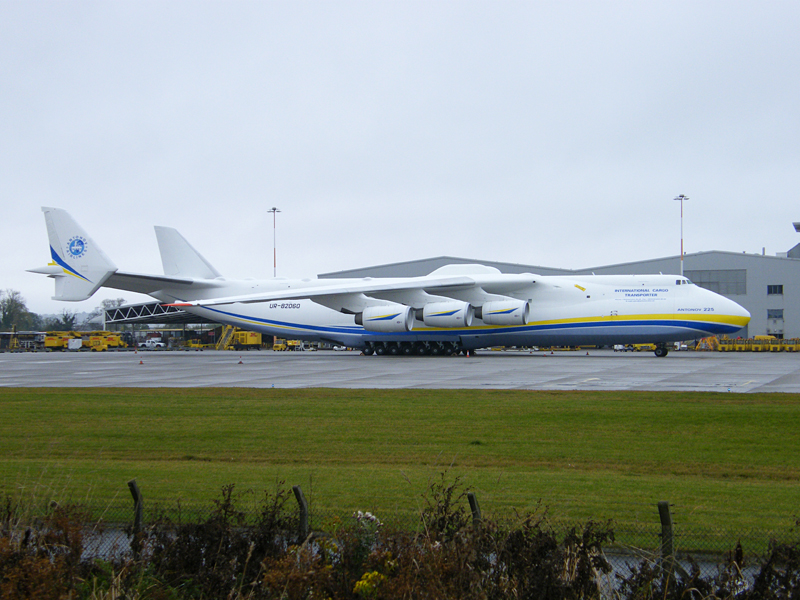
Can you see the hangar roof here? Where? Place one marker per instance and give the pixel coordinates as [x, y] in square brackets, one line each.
[415, 268]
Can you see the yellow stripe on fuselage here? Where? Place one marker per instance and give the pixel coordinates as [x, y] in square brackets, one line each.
[731, 320]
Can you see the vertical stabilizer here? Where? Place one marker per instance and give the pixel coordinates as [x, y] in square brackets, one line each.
[179, 258]
[78, 265]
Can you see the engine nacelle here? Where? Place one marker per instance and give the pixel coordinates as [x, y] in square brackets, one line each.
[448, 314]
[505, 312]
[389, 318]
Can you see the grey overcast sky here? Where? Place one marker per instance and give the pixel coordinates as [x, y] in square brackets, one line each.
[548, 133]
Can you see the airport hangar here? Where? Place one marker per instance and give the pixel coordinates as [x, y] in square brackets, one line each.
[767, 286]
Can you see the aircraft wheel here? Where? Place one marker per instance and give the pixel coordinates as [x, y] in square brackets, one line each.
[661, 352]
[436, 349]
[407, 349]
[380, 349]
[394, 349]
[420, 349]
[369, 351]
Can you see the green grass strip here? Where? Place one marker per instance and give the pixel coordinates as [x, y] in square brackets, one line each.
[727, 461]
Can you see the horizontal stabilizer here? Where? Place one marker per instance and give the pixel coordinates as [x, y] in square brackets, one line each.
[149, 284]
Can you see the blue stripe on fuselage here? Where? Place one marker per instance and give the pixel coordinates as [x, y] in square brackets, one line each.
[709, 327]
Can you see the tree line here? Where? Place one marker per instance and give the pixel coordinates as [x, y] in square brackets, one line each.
[14, 314]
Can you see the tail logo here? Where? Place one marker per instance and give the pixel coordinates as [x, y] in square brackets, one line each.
[76, 247]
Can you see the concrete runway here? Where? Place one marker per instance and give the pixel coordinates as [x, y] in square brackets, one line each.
[600, 370]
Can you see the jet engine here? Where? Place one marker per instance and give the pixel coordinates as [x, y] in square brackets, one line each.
[390, 318]
[504, 312]
[448, 314]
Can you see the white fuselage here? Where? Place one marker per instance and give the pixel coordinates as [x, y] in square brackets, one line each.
[564, 310]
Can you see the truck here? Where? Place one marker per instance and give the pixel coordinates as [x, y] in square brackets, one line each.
[56, 341]
[152, 344]
[95, 343]
[246, 340]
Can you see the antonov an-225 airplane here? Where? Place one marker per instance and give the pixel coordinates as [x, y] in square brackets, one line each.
[456, 308]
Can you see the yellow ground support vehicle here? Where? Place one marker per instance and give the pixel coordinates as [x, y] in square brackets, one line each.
[708, 343]
[246, 340]
[196, 344]
[233, 338]
[776, 345]
[282, 345]
[56, 341]
[726, 345]
[790, 345]
[95, 343]
[742, 345]
[761, 343]
[645, 347]
[226, 338]
[114, 340]
[99, 341]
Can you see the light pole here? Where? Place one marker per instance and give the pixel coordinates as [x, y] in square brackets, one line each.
[274, 211]
[681, 198]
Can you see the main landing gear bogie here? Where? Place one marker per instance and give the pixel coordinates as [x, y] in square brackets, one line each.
[412, 349]
[661, 351]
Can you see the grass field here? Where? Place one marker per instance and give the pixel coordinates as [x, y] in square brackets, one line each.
[723, 460]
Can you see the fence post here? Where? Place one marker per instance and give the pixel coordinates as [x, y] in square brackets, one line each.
[668, 561]
[667, 548]
[138, 501]
[303, 506]
[473, 506]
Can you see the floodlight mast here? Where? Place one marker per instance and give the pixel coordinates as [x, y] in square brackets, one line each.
[274, 211]
[681, 198]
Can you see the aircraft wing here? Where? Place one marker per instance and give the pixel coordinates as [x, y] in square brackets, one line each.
[327, 294]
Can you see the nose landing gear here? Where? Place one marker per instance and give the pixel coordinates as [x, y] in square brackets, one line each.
[661, 351]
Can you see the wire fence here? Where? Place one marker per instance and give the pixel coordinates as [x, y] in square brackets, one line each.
[110, 531]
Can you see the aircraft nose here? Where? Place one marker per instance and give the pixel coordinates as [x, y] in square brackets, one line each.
[737, 310]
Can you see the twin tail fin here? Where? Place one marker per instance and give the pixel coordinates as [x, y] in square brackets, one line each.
[79, 266]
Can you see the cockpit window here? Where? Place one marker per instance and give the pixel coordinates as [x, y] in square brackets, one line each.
[682, 282]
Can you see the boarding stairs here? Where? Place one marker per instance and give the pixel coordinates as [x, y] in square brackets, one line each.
[226, 339]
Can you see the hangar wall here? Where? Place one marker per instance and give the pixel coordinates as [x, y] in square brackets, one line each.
[767, 286]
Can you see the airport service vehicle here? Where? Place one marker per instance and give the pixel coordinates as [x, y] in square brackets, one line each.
[152, 344]
[455, 308]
